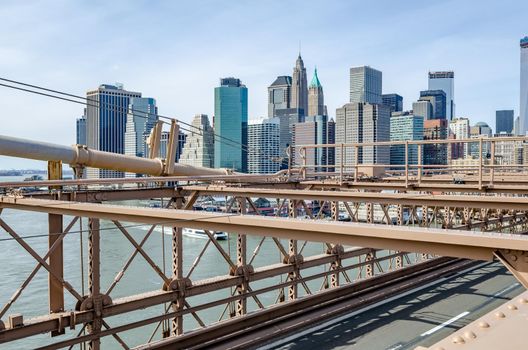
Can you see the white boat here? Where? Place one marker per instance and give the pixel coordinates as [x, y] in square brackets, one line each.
[196, 233]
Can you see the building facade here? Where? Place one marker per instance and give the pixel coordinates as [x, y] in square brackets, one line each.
[80, 129]
[459, 128]
[358, 123]
[106, 116]
[423, 109]
[445, 81]
[315, 97]
[437, 99]
[299, 91]
[199, 149]
[263, 146]
[316, 130]
[279, 95]
[504, 121]
[141, 117]
[435, 154]
[394, 101]
[405, 127]
[479, 130]
[230, 124]
[523, 114]
[365, 85]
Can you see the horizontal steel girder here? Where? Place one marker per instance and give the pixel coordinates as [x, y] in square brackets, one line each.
[453, 243]
[488, 202]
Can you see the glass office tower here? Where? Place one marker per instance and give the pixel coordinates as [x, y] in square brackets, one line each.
[445, 81]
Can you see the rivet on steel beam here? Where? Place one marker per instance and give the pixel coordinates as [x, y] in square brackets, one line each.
[500, 314]
[458, 340]
[523, 301]
[483, 324]
[512, 307]
[470, 335]
[513, 257]
[440, 348]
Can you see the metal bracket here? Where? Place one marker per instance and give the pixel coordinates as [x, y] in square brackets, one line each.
[91, 303]
[180, 285]
[293, 259]
[516, 261]
[242, 270]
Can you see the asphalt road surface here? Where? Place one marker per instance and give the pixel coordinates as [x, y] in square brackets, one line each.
[420, 318]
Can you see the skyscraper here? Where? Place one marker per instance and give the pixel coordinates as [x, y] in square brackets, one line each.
[230, 121]
[263, 146]
[435, 154]
[279, 95]
[106, 116]
[316, 130]
[80, 129]
[199, 145]
[437, 98]
[141, 117]
[405, 127]
[299, 92]
[444, 81]
[363, 122]
[315, 97]
[394, 101]
[423, 109]
[504, 121]
[523, 114]
[365, 85]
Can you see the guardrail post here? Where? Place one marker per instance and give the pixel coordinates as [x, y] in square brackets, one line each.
[356, 160]
[177, 271]
[292, 251]
[241, 304]
[342, 163]
[406, 164]
[492, 156]
[480, 163]
[419, 163]
[94, 279]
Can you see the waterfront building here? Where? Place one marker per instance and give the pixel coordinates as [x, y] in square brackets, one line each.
[299, 90]
[106, 116]
[365, 85]
[198, 149]
[315, 97]
[444, 81]
[404, 126]
[230, 122]
[279, 95]
[504, 121]
[394, 101]
[263, 146]
[523, 114]
[459, 128]
[316, 130]
[435, 154]
[437, 99]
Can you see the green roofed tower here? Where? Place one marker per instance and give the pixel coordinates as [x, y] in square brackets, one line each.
[315, 97]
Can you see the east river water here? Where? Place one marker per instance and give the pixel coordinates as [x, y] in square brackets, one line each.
[16, 264]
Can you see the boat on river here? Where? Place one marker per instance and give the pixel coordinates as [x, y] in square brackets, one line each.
[198, 233]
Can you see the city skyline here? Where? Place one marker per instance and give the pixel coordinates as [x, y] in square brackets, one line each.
[462, 44]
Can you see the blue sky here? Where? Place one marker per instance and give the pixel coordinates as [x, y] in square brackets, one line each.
[176, 51]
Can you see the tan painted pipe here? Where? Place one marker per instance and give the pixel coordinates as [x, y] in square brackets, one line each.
[79, 155]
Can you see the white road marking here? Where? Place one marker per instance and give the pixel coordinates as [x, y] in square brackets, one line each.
[501, 292]
[448, 322]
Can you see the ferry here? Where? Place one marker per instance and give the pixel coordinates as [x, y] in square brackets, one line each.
[196, 233]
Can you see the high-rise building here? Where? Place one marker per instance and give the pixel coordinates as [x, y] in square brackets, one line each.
[523, 114]
[230, 122]
[405, 127]
[504, 121]
[516, 126]
[199, 146]
[435, 154]
[141, 117]
[299, 92]
[394, 101]
[106, 116]
[365, 85]
[437, 99]
[315, 130]
[315, 97]
[287, 118]
[480, 129]
[363, 122]
[279, 94]
[423, 109]
[263, 146]
[444, 81]
[80, 128]
[459, 128]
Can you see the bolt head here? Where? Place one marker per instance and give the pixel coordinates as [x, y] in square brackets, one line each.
[483, 324]
[500, 314]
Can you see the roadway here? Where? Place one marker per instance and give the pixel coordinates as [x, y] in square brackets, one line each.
[420, 318]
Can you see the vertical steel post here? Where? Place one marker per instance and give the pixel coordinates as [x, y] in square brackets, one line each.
[94, 279]
[480, 163]
[292, 250]
[342, 163]
[419, 163]
[356, 160]
[177, 271]
[56, 260]
[406, 164]
[241, 305]
[492, 169]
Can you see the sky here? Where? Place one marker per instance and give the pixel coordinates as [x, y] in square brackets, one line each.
[176, 52]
